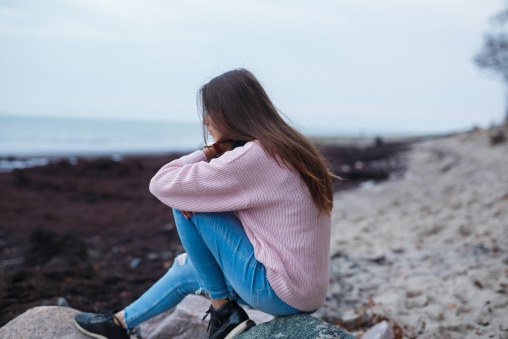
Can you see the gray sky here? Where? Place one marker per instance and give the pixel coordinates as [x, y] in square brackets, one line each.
[331, 66]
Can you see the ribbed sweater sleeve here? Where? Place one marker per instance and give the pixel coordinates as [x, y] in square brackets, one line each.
[193, 184]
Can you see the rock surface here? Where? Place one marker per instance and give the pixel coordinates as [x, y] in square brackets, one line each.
[43, 322]
[296, 326]
[184, 322]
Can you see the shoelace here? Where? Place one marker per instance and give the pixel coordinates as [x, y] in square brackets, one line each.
[207, 313]
[210, 311]
[103, 316]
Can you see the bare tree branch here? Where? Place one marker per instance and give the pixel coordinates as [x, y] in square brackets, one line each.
[494, 55]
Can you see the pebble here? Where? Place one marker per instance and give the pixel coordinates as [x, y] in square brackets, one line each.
[380, 331]
[62, 302]
[134, 263]
[152, 256]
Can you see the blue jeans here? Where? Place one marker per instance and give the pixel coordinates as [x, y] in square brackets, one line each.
[219, 262]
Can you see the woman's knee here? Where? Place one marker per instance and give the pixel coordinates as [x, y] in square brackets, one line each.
[182, 269]
[177, 214]
[181, 222]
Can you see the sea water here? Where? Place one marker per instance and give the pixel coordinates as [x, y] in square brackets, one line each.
[27, 141]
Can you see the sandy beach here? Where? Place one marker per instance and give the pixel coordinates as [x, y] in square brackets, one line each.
[429, 250]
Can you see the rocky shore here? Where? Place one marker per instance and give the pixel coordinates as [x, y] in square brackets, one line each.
[419, 238]
[89, 232]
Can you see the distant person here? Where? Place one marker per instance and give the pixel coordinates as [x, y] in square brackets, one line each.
[252, 212]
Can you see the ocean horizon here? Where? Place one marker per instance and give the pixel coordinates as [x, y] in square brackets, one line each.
[27, 141]
[28, 136]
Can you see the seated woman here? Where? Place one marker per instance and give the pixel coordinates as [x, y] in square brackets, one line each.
[253, 216]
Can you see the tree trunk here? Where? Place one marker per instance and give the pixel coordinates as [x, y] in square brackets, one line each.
[506, 116]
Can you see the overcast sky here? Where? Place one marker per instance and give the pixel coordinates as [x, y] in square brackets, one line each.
[331, 66]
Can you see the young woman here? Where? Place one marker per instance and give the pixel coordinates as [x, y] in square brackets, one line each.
[252, 212]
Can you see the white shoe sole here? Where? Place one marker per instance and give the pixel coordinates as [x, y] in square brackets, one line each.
[90, 334]
[239, 329]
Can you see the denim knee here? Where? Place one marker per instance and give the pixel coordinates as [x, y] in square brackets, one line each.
[179, 281]
[184, 260]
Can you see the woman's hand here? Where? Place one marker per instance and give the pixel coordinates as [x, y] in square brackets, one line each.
[211, 153]
[226, 145]
[187, 214]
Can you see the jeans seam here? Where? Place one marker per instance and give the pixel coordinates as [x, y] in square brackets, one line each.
[165, 295]
[228, 243]
[257, 292]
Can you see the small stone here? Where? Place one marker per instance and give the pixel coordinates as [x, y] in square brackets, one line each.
[354, 321]
[345, 168]
[380, 260]
[465, 229]
[380, 331]
[483, 320]
[167, 255]
[497, 136]
[168, 227]
[486, 315]
[152, 256]
[417, 302]
[62, 302]
[134, 263]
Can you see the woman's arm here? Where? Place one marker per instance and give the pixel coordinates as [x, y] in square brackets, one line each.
[210, 153]
[193, 184]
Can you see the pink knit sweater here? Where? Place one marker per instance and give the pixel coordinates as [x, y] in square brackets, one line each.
[289, 234]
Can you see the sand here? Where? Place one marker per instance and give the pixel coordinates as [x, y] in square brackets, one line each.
[429, 250]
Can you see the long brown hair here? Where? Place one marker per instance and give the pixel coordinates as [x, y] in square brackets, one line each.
[240, 109]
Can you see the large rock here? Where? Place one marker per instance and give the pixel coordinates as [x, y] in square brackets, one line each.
[186, 320]
[43, 322]
[54, 322]
[296, 326]
[183, 322]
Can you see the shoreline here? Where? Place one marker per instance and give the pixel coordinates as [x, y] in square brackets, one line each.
[89, 231]
[328, 145]
[424, 248]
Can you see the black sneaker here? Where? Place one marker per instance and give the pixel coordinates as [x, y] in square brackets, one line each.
[227, 321]
[100, 325]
